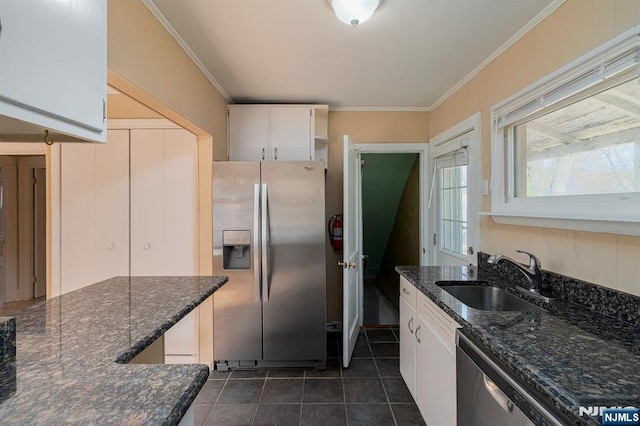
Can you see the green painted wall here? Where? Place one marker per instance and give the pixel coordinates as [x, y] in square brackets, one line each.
[383, 179]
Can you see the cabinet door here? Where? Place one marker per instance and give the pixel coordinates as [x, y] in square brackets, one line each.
[181, 203]
[147, 202]
[181, 340]
[78, 216]
[408, 345]
[53, 63]
[112, 206]
[436, 377]
[290, 133]
[249, 133]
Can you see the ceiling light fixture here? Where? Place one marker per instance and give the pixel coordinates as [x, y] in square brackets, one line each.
[354, 12]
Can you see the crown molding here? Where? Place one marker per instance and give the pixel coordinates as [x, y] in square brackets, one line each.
[517, 36]
[380, 109]
[183, 44]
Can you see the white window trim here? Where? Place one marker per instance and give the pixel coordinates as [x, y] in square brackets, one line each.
[440, 145]
[609, 213]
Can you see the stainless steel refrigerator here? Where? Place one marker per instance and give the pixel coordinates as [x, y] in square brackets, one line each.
[268, 237]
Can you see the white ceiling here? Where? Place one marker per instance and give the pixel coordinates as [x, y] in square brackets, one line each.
[410, 55]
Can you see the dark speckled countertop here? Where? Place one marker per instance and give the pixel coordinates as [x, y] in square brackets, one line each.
[70, 366]
[572, 355]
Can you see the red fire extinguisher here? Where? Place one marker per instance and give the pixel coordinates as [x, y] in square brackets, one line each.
[335, 231]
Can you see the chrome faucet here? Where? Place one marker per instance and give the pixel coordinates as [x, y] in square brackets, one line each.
[532, 273]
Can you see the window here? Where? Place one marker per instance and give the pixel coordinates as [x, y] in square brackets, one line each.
[453, 204]
[569, 145]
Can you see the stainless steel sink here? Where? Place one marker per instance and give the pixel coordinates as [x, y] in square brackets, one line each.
[487, 297]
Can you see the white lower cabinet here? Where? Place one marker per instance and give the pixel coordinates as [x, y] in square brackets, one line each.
[436, 363]
[431, 350]
[408, 342]
[181, 341]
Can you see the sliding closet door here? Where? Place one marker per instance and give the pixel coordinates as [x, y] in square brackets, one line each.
[164, 202]
[147, 202]
[78, 216]
[112, 206]
[94, 211]
[181, 203]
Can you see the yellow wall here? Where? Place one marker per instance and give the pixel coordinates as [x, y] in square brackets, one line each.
[122, 106]
[362, 127]
[572, 30]
[145, 62]
[141, 52]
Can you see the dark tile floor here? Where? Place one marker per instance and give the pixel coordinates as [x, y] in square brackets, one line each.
[370, 392]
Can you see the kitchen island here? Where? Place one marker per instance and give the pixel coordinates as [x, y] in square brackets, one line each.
[71, 363]
[580, 351]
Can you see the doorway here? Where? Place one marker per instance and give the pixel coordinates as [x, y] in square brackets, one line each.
[390, 218]
[394, 180]
[22, 230]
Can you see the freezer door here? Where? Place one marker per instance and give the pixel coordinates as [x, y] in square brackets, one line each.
[293, 292]
[237, 308]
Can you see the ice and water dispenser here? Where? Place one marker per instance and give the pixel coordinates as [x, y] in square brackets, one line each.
[236, 246]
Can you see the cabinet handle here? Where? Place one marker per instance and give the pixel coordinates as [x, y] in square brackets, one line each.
[275, 152]
[111, 246]
[0, 27]
[409, 325]
[417, 337]
[263, 153]
[146, 246]
[404, 290]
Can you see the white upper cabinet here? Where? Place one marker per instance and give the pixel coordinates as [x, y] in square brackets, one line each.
[249, 133]
[290, 133]
[53, 68]
[278, 132]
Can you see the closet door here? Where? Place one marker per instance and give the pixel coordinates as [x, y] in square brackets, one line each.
[181, 202]
[147, 202]
[112, 206]
[164, 225]
[78, 216]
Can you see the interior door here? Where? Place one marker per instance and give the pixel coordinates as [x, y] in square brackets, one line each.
[40, 232]
[351, 282]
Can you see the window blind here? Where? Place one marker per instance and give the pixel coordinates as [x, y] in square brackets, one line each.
[612, 59]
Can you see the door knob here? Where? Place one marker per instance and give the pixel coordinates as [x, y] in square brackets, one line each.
[347, 265]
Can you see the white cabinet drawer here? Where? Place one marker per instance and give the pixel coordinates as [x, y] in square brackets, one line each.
[408, 292]
[441, 323]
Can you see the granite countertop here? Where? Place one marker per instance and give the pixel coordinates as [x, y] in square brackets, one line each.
[573, 356]
[72, 350]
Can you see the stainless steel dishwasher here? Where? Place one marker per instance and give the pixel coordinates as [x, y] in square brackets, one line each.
[487, 395]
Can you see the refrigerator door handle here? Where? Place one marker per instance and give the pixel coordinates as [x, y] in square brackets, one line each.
[256, 240]
[265, 245]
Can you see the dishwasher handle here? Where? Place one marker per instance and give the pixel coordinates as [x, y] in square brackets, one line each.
[500, 397]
